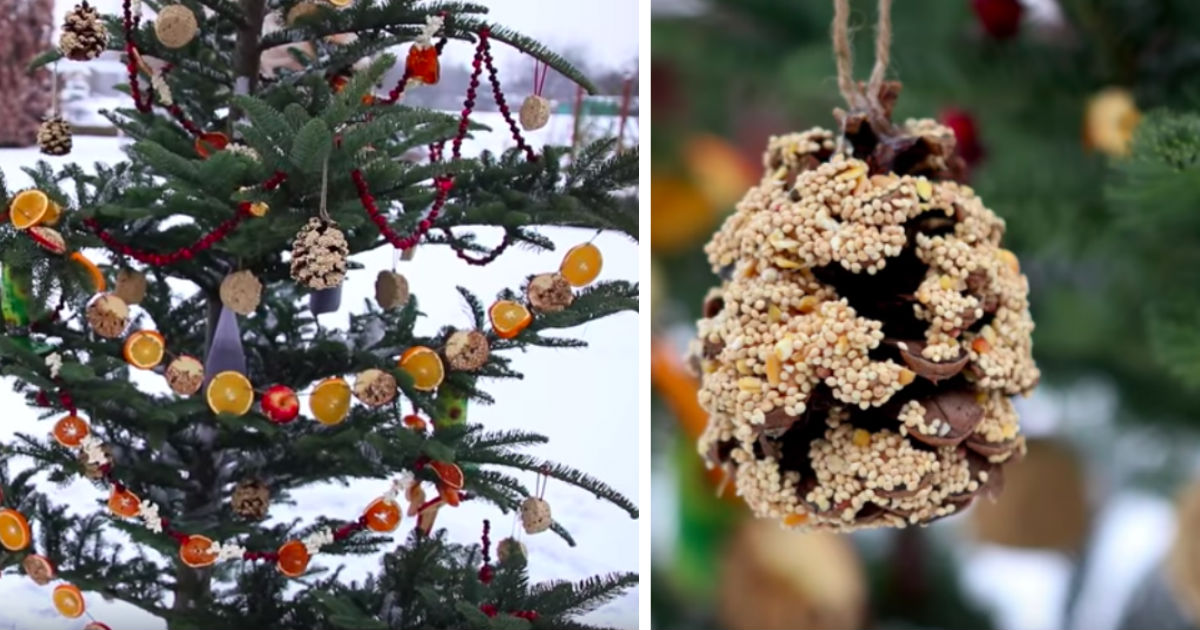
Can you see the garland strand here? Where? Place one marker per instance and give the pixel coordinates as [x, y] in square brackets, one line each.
[224, 229]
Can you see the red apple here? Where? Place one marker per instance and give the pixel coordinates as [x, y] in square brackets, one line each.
[280, 404]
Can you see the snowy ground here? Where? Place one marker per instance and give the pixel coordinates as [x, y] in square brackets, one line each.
[584, 400]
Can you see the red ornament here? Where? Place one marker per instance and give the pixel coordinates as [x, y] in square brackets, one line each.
[1000, 18]
[211, 142]
[489, 609]
[422, 64]
[966, 134]
[280, 404]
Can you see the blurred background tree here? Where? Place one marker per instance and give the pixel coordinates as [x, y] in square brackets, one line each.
[25, 99]
[1078, 118]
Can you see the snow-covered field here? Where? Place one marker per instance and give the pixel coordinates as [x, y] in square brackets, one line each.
[584, 400]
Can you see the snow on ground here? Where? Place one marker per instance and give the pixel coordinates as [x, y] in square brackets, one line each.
[584, 400]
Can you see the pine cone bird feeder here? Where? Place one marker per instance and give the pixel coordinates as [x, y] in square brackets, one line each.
[859, 357]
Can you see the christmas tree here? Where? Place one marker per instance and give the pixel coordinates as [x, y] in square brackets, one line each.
[162, 312]
[1077, 123]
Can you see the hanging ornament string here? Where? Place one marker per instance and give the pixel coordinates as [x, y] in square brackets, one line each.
[324, 209]
[541, 70]
[224, 229]
[862, 99]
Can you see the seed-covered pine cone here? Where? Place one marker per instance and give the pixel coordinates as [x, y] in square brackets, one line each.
[84, 35]
[319, 255]
[54, 136]
[858, 360]
[251, 499]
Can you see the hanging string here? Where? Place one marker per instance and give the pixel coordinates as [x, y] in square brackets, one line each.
[54, 89]
[860, 99]
[541, 70]
[324, 211]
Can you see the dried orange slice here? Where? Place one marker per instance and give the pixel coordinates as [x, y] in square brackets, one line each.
[211, 142]
[14, 530]
[509, 318]
[96, 625]
[144, 349]
[330, 401]
[383, 515]
[293, 558]
[230, 392]
[68, 601]
[98, 282]
[450, 474]
[70, 431]
[415, 422]
[197, 551]
[449, 495]
[424, 366]
[30, 208]
[124, 503]
[581, 265]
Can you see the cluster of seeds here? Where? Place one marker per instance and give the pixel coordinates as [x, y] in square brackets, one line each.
[858, 358]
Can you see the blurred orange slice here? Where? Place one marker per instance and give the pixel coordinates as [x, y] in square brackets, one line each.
[230, 392]
[424, 366]
[68, 600]
[330, 401]
[14, 530]
[509, 318]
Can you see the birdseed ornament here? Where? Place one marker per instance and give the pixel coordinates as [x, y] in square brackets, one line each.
[535, 511]
[375, 387]
[185, 375]
[38, 568]
[534, 113]
[108, 315]
[175, 26]
[54, 136]
[860, 354]
[509, 548]
[391, 290]
[535, 515]
[84, 35]
[466, 350]
[131, 286]
[319, 255]
[549, 293]
[241, 292]
[251, 499]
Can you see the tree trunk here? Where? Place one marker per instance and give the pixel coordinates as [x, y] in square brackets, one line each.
[27, 96]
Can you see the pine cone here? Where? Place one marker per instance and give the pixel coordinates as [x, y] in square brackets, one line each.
[319, 255]
[54, 136]
[251, 499]
[84, 35]
[824, 259]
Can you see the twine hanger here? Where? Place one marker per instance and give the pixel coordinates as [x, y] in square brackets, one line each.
[857, 97]
[324, 208]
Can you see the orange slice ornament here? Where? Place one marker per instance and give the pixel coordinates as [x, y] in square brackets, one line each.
[145, 349]
[293, 558]
[70, 431]
[424, 366]
[94, 273]
[330, 401]
[38, 568]
[210, 142]
[422, 65]
[509, 318]
[197, 551]
[68, 600]
[581, 265]
[14, 530]
[450, 474]
[32, 207]
[230, 392]
[124, 503]
[383, 515]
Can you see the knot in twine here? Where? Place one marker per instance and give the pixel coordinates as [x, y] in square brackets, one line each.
[857, 97]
